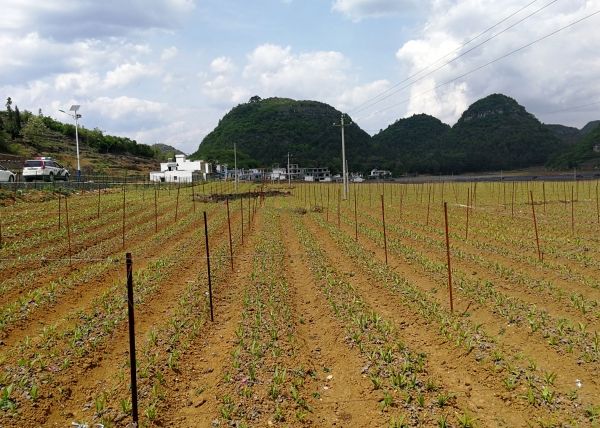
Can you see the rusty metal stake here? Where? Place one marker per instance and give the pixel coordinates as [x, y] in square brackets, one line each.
[537, 239]
[210, 300]
[448, 257]
[384, 234]
[229, 226]
[132, 360]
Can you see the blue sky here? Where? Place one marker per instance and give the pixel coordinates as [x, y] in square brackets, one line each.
[167, 70]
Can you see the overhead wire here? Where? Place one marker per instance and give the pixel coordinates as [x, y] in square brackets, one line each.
[493, 61]
[407, 85]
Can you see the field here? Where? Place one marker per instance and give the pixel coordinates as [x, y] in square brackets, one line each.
[325, 314]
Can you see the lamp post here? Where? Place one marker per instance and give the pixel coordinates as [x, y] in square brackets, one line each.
[75, 116]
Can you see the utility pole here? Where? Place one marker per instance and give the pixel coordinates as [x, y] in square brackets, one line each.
[344, 162]
[235, 166]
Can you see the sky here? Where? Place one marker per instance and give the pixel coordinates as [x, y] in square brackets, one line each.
[166, 71]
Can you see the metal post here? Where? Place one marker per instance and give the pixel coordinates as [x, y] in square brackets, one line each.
[235, 165]
[537, 239]
[212, 318]
[355, 216]
[448, 258]
[384, 234]
[68, 230]
[132, 360]
[242, 213]
[123, 216]
[229, 226]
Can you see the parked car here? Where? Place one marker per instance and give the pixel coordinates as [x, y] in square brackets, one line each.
[6, 175]
[44, 168]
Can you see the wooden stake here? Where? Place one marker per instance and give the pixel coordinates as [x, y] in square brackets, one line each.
[194, 196]
[210, 300]
[327, 209]
[512, 202]
[229, 226]
[401, 200]
[177, 202]
[242, 213]
[59, 225]
[355, 216]
[572, 212]
[155, 210]
[98, 201]
[468, 209]
[123, 217]
[428, 204]
[597, 205]
[448, 257]
[537, 239]
[384, 234]
[68, 230]
[339, 202]
[544, 195]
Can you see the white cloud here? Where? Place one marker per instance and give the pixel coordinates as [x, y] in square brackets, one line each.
[67, 20]
[125, 107]
[76, 83]
[276, 71]
[559, 70]
[169, 53]
[357, 95]
[223, 92]
[222, 65]
[361, 9]
[124, 74]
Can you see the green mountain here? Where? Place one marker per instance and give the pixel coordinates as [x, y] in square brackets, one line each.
[567, 134]
[411, 144]
[497, 133]
[582, 153]
[266, 130]
[589, 127]
[494, 133]
[164, 151]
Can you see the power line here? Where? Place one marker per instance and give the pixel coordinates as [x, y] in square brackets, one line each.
[570, 108]
[494, 60]
[389, 94]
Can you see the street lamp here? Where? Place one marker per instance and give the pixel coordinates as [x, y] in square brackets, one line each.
[75, 116]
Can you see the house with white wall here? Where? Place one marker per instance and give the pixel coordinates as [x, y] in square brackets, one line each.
[181, 170]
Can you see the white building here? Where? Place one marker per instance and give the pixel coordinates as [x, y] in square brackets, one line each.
[278, 174]
[181, 170]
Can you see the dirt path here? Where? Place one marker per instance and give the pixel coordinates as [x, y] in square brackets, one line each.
[348, 399]
[511, 340]
[195, 398]
[474, 384]
[100, 370]
[82, 294]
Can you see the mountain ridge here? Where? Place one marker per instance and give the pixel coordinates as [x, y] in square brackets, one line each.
[494, 133]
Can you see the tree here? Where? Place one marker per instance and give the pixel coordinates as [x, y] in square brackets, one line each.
[35, 131]
[255, 99]
[17, 121]
[10, 120]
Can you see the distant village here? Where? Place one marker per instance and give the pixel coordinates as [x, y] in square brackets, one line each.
[183, 170]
